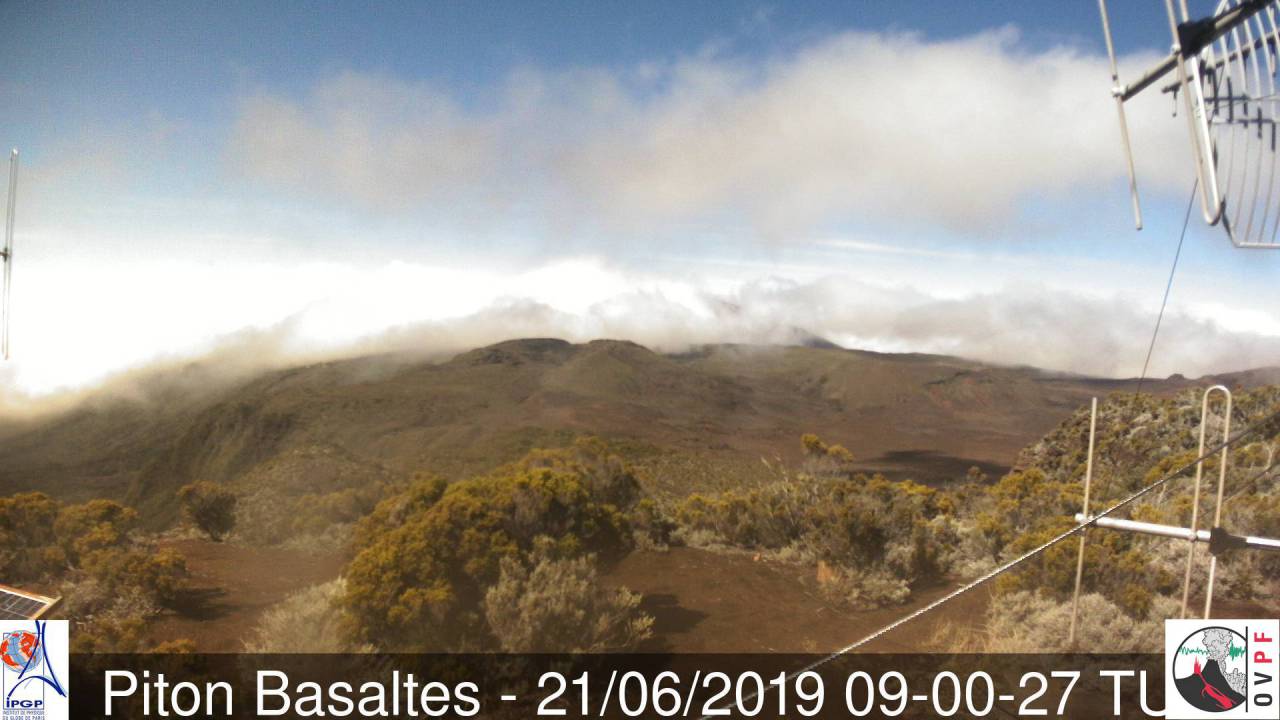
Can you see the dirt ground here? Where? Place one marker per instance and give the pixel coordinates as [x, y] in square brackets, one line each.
[232, 585]
[727, 602]
[701, 601]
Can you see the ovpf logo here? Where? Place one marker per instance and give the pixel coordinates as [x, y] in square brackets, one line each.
[33, 677]
[1222, 669]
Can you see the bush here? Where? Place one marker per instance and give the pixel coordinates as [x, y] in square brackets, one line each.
[651, 527]
[272, 514]
[556, 605]
[308, 621]
[95, 526]
[157, 576]
[861, 590]
[124, 634]
[868, 526]
[111, 580]
[1025, 622]
[823, 460]
[423, 492]
[29, 548]
[211, 507]
[427, 559]
[109, 635]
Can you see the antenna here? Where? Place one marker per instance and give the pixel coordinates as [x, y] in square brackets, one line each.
[1195, 501]
[1227, 69]
[7, 254]
[1218, 539]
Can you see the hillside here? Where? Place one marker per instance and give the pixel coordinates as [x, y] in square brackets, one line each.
[356, 423]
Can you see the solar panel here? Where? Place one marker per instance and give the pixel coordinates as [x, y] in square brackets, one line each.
[18, 605]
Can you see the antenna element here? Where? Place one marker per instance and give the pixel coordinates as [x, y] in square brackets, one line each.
[1227, 68]
[7, 254]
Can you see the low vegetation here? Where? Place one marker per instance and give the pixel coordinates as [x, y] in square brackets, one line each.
[112, 578]
[1140, 440]
[430, 557]
[549, 603]
[513, 559]
[210, 507]
[876, 540]
[509, 560]
[308, 621]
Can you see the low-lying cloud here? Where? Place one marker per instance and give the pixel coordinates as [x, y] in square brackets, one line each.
[432, 313]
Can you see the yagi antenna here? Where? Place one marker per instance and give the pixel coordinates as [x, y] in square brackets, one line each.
[1226, 68]
[7, 254]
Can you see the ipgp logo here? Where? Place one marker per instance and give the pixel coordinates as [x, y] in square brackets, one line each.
[32, 680]
[1222, 669]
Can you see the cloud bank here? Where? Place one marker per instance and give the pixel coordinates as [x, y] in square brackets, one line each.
[857, 130]
[432, 312]
[888, 128]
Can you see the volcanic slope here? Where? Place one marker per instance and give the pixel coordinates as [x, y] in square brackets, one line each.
[692, 420]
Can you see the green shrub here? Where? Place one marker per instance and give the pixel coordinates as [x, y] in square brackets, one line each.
[95, 526]
[29, 547]
[111, 580]
[424, 491]
[869, 528]
[210, 506]
[158, 576]
[427, 558]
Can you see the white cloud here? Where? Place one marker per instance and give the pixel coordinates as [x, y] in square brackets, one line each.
[879, 129]
[869, 126]
[376, 141]
[253, 315]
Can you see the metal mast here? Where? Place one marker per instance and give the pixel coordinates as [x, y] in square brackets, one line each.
[7, 254]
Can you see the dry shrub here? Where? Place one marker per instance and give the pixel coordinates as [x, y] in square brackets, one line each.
[308, 621]
[861, 589]
[1029, 622]
[558, 605]
[886, 538]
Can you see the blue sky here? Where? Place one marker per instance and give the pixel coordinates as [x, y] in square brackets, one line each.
[322, 178]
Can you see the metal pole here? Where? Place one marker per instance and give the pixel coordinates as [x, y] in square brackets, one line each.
[8, 253]
[1197, 126]
[1195, 494]
[1217, 513]
[1088, 482]
[1117, 91]
[1243, 542]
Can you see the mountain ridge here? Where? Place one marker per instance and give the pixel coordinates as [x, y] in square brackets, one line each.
[387, 416]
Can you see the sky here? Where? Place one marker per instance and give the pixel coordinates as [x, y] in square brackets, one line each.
[279, 182]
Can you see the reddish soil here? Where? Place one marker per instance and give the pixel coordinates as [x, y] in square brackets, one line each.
[701, 601]
[705, 601]
[231, 586]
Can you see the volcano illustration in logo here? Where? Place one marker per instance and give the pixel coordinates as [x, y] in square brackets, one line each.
[1209, 669]
[20, 650]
